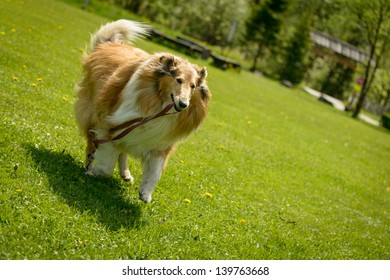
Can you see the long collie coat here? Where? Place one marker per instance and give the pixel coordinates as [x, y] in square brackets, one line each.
[123, 85]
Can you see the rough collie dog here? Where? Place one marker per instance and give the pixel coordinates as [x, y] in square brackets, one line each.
[132, 102]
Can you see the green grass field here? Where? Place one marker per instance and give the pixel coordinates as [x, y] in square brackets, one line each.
[272, 174]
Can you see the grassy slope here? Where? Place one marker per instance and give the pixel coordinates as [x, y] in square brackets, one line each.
[290, 177]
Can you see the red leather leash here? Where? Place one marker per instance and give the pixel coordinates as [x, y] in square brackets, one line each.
[131, 125]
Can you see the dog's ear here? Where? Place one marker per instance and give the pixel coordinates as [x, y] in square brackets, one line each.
[167, 65]
[203, 73]
[167, 60]
[202, 84]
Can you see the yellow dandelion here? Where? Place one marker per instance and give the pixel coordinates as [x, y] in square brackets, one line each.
[34, 84]
[209, 195]
[13, 30]
[223, 148]
[249, 122]
[64, 98]
[81, 49]
[2, 33]
[187, 201]
[242, 221]
[15, 78]
[388, 189]
[24, 66]
[39, 79]
[18, 190]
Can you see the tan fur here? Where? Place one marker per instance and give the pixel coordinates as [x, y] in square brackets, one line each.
[118, 78]
[106, 72]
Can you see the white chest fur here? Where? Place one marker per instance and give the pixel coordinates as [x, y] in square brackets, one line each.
[155, 135]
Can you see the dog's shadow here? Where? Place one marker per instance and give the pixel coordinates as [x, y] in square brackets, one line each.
[102, 198]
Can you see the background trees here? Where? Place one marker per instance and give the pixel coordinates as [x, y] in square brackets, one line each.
[374, 19]
[294, 65]
[207, 20]
[274, 36]
[264, 25]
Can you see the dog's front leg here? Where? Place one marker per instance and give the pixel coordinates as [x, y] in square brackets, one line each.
[153, 167]
[105, 158]
[124, 168]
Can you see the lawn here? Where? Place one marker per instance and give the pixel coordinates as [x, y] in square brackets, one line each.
[272, 174]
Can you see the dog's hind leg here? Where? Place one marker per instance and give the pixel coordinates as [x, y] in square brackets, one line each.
[124, 168]
[153, 167]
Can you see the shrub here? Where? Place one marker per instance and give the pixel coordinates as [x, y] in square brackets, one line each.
[386, 120]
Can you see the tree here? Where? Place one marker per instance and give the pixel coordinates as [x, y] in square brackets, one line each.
[374, 20]
[342, 25]
[380, 89]
[296, 50]
[207, 20]
[264, 25]
[214, 18]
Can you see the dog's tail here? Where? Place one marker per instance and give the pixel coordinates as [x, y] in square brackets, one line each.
[121, 31]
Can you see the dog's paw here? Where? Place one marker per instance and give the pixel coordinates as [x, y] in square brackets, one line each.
[145, 197]
[127, 176]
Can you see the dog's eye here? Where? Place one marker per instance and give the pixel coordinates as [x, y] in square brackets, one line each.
[179, 80]
[192, 86]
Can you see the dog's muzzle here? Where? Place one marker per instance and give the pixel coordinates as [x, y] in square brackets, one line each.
[179, 106]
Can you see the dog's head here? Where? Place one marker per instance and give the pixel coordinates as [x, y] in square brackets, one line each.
[190, 119]
[178, 80]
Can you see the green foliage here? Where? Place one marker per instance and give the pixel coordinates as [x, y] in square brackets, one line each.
[263, 26]
[338, 81]
[272, 174]
[208, 20]
[374, 18]
[385, 120]
[296, 53]
[380, 89]
[265, 21]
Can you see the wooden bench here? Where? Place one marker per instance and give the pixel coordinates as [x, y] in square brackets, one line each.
[225, 62]
[194, 47]
[183, 43]
[204, 51]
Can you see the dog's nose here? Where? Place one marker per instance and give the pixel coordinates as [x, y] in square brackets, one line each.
[182, 105]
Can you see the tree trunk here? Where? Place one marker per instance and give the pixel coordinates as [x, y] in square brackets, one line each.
[360, 102]
[257, 55]
[368, 79]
